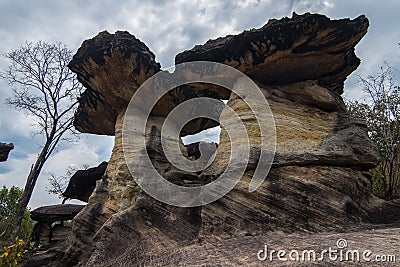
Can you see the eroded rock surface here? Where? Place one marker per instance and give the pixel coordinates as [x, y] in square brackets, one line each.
[319, 180]
[111, 67]
[243, 250]
[306, 47]
[5, 150]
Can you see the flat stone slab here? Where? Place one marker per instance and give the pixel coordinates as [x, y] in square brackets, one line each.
[60, 212]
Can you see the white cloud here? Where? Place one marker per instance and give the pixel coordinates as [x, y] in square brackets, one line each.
[209, 135]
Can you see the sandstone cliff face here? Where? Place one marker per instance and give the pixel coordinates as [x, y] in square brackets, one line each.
[5, 150]
[319, 180]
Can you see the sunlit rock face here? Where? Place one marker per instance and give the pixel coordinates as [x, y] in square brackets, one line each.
[319, 179]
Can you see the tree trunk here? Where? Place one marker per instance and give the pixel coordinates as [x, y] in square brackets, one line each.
[391, 180]
[26, 195]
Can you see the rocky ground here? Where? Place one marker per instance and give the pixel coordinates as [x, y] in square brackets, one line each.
[244, 251]
[381, 240]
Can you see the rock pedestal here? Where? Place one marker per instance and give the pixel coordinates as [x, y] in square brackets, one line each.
[50, 227]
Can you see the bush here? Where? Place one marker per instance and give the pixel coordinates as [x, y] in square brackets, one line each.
[378, 186]
[9, 199]
[12, 255]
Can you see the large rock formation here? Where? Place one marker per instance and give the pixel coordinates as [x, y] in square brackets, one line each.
[5, 150]
[319, 180]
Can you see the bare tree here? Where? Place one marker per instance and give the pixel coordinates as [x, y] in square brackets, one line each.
[58, 183]
[46, 90]
[382, 115]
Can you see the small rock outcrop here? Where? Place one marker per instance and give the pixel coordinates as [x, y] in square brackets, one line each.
[83, 182]
[193, 151]
[319, 180]
[5, 150]
[50, 227]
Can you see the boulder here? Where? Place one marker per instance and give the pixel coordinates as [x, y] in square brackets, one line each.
[5, 150]
[83, 182]
[111, 67]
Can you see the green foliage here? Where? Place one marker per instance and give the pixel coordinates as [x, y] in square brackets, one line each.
[12, 255]
[9, 200]
[382, 115]
[378, 187]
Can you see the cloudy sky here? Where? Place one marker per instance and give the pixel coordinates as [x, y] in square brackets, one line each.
[167, 27]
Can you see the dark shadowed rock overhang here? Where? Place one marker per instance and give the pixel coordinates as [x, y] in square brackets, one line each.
[83, 182]
[5, 150]
[304, 47]
[111, 67]
[61, 212]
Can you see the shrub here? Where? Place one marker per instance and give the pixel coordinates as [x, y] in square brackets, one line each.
[9, 199]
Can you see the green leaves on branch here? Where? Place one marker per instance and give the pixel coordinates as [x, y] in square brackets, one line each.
[9, 201]
[381, 112]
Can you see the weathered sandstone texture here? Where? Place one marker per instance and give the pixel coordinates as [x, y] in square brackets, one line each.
[5, 150]
[319, 180]
[307, 47]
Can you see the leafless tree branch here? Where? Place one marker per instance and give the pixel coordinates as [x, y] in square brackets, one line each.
[45, 89]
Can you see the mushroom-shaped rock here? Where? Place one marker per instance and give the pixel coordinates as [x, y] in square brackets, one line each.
[111, 67]
[83, 182]
[5, 150]
[305, 47]
[319, 180]
[53, 213]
